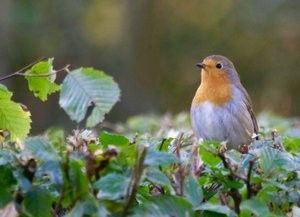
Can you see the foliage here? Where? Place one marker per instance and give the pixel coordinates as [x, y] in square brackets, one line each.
[41, 79]
[85, 87]
[13, 117]
[148, 166]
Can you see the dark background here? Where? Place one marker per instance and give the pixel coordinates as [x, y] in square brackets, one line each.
[151, 47]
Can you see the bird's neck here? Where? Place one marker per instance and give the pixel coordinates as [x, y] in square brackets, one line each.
[215, 88]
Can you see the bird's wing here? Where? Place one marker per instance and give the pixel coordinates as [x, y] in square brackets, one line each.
[250, 110]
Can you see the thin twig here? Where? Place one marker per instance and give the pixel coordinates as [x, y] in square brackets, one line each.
[65, 68]
[135, 179]
[248, 181]
[18, 73]
[232, 173]
[237, 199]
[21, 72]
[180, 171]
[234, 193]
[197, 163]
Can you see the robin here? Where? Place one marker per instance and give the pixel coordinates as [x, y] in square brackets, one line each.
[222, 109]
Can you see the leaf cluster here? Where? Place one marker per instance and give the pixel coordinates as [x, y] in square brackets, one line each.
[148, 166]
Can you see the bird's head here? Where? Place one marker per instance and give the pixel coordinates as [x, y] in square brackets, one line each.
[218, 66]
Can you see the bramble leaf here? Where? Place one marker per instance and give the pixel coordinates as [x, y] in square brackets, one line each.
[159, 158]
[193, 191]
[156, 176]
[112, 186]
[255, 206]
[38, 202]
[215, 209]
[164, 205]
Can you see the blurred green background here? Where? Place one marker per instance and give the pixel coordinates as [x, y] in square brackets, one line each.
[151, 47]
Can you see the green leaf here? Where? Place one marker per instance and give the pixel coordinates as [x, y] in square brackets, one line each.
[7, 178]
[38, 202]
[193, 191]
[78, 179]
[38, 83]
[271, 159]
[233, 183]
[159, 158]
[255, 206]
[86, 87]
[292, 144]
[12, 117]
[88, 207]
[6, 157]
[163, 206]
[112, 186]
[218, 209]
[208, 153]
[157, 177]
[107, 138]
[5, 197]
[43, 150]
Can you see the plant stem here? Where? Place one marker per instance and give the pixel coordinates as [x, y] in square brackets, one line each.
[180, 171]
[248, 183]
[135, 179]
[234, 193]
[65, 68]
[19, 72]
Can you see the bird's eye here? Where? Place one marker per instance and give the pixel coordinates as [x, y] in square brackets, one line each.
[219, 65]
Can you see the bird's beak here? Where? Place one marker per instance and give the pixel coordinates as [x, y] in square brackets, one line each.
[201, 65]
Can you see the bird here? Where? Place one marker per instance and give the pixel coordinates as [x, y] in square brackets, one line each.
[221, 108]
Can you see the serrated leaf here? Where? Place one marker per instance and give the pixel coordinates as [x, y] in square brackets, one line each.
[38, 83]
[107, 138]
[208, 153]
[85, 87]
[193, 191]
[271, 159]
[157, 177]
[12, 117]
[112, 186]
[127, 150]
[43, 150]
[5, 197]
[255, 206]
[218, 209]
[88, 208]
[163, 206]
[159, 158]
[38, 202]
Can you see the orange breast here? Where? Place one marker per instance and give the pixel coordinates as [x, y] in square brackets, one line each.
[215, 88]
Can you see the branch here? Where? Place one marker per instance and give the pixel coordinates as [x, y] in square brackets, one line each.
[19, 72]
[135, 180]
[234, 193]
[65, 68]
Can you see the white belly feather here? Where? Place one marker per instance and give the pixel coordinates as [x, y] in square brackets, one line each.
[231, 122]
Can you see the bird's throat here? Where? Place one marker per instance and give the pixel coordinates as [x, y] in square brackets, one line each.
[215, 87]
